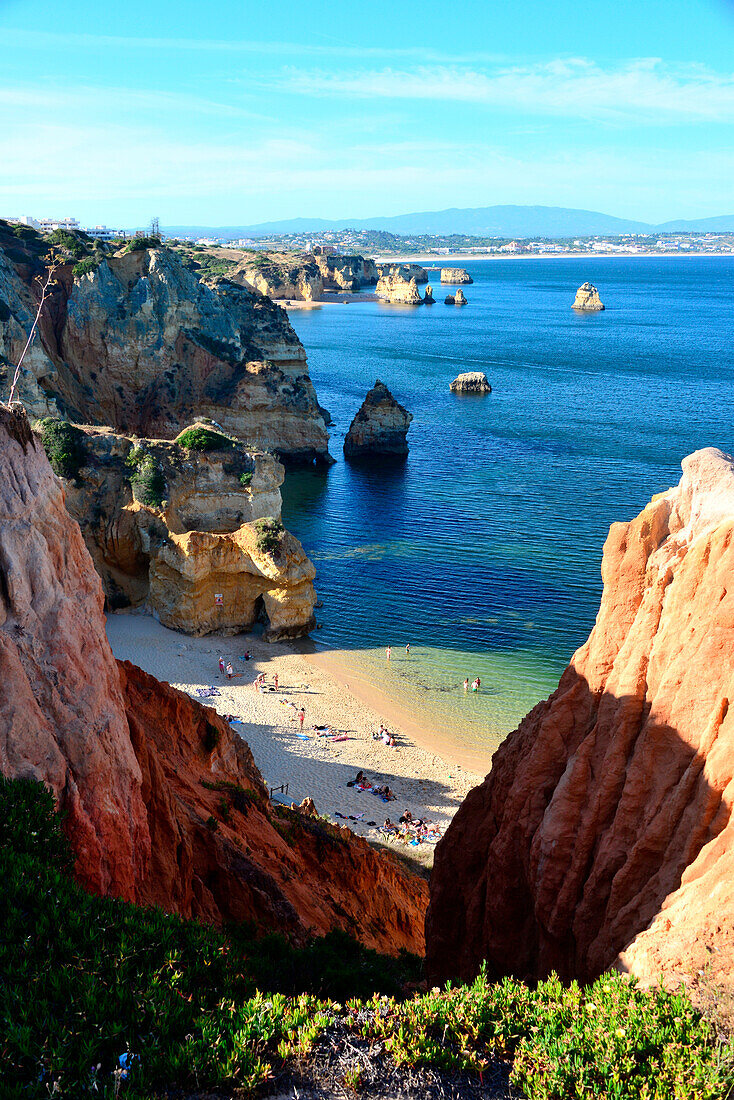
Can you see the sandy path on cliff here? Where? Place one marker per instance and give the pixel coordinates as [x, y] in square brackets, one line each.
[422, 781]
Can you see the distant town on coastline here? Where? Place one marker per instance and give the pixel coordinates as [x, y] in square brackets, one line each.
[515, 230]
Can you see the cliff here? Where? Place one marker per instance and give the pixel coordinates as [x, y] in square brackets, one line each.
[455, 276]
[163, 803]
[587, 299]
[603, 832]
[281, 275]
[170, 527]
[404, 271]
[347, 272]
[393, 288]
[140, 344]
[380, 426]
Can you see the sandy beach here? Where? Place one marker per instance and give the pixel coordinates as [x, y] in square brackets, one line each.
[314, 766]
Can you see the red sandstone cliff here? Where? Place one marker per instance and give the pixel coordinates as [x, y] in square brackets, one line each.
[611, 803]
[164, 802]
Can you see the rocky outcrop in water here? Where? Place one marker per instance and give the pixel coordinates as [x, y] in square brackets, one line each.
[455, 276]
[348, 273]
[163, 803]
[193, 536]
[604, 830]
[474, 382]
[429, 299]
[460, 298]
[404, 271]
[380, 426]
[392, 288]
[140, 344]
[587, 299]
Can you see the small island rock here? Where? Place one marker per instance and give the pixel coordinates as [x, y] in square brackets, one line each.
[587, 299]
[460, 299]
[474, 381]
[429, 299]
[455, 276]
[380, 427]
[393, 288]
[449, 300]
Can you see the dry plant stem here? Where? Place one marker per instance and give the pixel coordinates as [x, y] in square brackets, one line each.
[44, 294]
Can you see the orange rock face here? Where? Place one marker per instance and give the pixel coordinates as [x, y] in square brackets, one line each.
[163, 801]
[603, 833]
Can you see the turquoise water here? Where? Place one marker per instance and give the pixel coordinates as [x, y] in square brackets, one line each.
[483, 550]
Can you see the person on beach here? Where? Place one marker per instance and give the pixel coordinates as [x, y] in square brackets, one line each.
[248, 655]
[388, 652]
[302, 716]
[221, 664]
[466, 684]
[230, 670]
[407, 649]
[275, 681]
[475, 685]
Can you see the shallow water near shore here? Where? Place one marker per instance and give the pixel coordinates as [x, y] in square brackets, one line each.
[483, 549]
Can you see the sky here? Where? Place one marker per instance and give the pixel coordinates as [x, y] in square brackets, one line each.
[232, 112]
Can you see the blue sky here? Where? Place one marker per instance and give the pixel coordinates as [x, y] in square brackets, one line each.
[234, 112]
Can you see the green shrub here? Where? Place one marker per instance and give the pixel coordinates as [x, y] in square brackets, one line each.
[246, 478]
[139, 244]
[84, 267]
[147, 481]
[269, 533]
[70, 242]
[204, 439]
[63, 444]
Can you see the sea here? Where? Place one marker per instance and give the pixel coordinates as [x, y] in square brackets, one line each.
[482, 550]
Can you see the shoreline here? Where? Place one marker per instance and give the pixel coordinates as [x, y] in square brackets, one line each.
[426, 779]
[438, 262]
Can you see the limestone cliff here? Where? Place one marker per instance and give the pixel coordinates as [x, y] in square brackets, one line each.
[455, 276]
[163, 803]
[171, 529]
[347, 272]
[380, 426]
[404, 271]
[282, 275]
[587, 299]
[393, 288]
[604, 829]
[140, 344]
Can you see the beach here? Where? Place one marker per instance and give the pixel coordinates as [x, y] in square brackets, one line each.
[425, 782]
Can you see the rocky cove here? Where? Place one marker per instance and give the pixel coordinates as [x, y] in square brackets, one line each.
[514, 882]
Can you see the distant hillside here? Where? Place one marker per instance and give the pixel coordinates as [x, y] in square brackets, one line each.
[483, 221]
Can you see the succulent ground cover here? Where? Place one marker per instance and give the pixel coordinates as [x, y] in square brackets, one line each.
[101, 998]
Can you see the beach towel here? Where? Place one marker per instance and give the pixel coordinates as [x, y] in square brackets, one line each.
[207, 692]
[303, 737]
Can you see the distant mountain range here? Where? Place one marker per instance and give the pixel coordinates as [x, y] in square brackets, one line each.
[483, 221]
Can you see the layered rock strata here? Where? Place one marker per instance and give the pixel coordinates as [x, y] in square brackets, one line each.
[282, 276]
[404, 271]
[184, 534]
[348, 273]
[604, 831]
[380, 426]
[455, 276]
[587, 299]
[162, 802]
[393, 288]
[473, 382]
[141, 345]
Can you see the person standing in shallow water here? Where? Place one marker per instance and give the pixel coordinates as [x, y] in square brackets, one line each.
[407, 649]
[466, 684]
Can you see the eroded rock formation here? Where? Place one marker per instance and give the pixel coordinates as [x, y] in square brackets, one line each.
[604, 831]
[455, 276]
[141, 345]
[163, 802]
[404, 271]
[429, 299]
[190, 535]
[393, 288]
[349, 273]
[587, 299]
[471, 382]
[460, 298]
[281, 275]
[380, 426]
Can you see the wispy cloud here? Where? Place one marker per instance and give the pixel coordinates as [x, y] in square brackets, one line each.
[640, 90]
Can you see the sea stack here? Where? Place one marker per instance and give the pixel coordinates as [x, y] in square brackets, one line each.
[380, 427]
[455, 276]
[460, 298]
[393, 288]
[475, 382]
[429, 299]
[587, 299]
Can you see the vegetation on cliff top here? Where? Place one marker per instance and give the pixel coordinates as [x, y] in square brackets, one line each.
[204, 439]
[63, 444]
[100, 997]
[269, 533]
[147, 481]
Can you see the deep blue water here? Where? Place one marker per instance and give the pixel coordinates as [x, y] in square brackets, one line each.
[484, 549]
